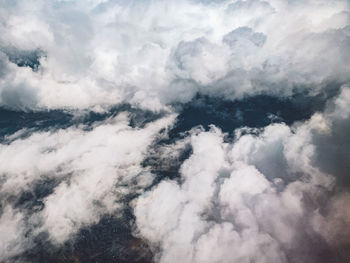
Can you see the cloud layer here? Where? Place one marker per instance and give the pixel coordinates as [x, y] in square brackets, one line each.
[94, 171]
[261, 198]
[272, 192]
[154, 53]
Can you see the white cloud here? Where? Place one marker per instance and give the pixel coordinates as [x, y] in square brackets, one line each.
[95, 169]
[11, 232]
[257, 199]
[101, 53]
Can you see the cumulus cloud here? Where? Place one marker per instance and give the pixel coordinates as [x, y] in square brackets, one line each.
[272, 194]
[95, 168]
[155, 53]
[260, 198]
[11, 231]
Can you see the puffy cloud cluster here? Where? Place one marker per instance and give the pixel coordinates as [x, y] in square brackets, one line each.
[275, 194]
[261, 198]
[152, 53]
[94, 168]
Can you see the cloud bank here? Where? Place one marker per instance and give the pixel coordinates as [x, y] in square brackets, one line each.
[154, 53]
[261, 198]
[94, 171]
[264, 191]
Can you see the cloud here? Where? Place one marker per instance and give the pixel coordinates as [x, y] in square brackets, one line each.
[94, 170]
[260, 198]
[12, 233]
[333, 224]
[154, 53]
[271, 194]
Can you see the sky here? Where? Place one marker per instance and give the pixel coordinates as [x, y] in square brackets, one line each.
[175, 131]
